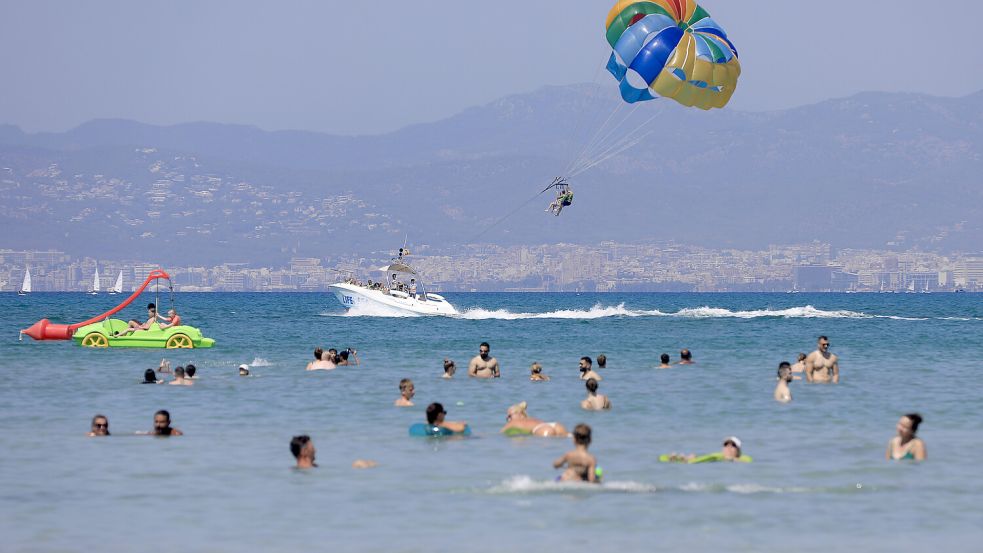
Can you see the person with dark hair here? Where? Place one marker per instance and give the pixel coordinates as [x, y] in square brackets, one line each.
[134, 325]
[484, 365]
[449, 368]
[150, 377]
[586, 372]
[435, 417]
[100, 426]
[602, 361]
[906, 446]
[162, 425]
[581, 465]
[406, 392]
[179, 379]
[821, 365]
[800, 364]
[323, 361]
[189, 371]
[685, 357]
[664, 359]
[594, 400]
[782, 392]
[303, 450]
[342, 358]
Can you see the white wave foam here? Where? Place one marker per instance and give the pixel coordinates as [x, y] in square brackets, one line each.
[743, 488]
[597, 312]
[260, 362]
[376, 310]
[526, 485]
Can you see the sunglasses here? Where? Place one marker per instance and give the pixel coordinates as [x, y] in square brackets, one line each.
[97, 425]
[732, 444]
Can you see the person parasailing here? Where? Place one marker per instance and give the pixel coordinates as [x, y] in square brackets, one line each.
[564, 196]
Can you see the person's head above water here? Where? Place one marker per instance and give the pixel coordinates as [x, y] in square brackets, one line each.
[908, 424]
[243, 370]
[823, 343]
[406, 387]
[449, 366]
[303, 450]
[484, 349]
[664, 358]
[317, 353]
[435, 413]
[535, 368]
[685, 355]
[591, 385]
[190, 370]
[585, 364]
[100, 426]
[516, 411]
[732, 447]
[581, 435]
[784, 371]
[179, 372]
[162, 422]
[602, 361]
[149, 377]
[801, 357]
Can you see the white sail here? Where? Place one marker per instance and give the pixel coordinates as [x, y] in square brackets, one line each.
[25, 288]
[95, 281]
[118, 287]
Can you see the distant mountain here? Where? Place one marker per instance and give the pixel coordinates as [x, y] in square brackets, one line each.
[872, 170]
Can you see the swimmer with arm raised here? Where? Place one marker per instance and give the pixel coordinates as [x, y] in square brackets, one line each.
[581, 466]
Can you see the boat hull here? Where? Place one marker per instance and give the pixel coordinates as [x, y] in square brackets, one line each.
[350, 295]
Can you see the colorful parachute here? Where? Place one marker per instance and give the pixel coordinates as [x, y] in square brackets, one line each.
[673, 48]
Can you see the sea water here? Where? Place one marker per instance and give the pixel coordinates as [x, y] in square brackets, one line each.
[818, 480]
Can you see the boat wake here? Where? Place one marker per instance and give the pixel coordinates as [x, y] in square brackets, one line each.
[599, 311]
[522, 484]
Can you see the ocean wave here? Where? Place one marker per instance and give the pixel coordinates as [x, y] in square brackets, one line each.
[523, 484]
[597, 312]
[260, 362]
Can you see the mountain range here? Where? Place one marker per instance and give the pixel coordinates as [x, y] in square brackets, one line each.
[875, 170]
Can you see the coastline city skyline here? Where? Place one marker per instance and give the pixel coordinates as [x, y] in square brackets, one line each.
[604, 267]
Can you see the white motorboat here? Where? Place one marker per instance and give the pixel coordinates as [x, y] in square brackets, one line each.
[399, 291]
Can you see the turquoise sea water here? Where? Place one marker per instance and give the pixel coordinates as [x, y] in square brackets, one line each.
[819, 479]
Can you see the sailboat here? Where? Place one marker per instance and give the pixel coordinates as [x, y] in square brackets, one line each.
[25, 287]
[95, 283]
[118, 287]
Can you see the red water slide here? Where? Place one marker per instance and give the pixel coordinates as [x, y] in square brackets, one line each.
[46, 330]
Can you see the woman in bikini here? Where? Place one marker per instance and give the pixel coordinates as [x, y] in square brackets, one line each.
[519, 423]
[905, 446]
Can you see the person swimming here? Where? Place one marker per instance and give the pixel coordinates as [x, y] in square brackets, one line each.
[782, 392]
[730, 452]
[906, 446]
[581, 466]
[594, 401]
[449, 368]
[100, 426]
[406, 393]
[519, 423]
[536, 373]
[150, 377]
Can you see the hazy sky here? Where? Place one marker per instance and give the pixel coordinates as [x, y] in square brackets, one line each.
[373, 66]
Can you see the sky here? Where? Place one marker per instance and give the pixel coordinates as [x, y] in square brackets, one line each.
[357, 67]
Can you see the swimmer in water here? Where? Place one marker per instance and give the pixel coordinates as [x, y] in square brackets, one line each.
[594, 400]
[435, 417]
[150, 377]
[536, 373]
[449, 368]
[189, 371]
[821, 366]
[602, 361]
[179, 379]
[906, 446]
[243, 370]
[518, 422]
[100, 426]
[782, 392]
[581, 465]
[406, 391]
[664, 359]
[484, 365]
[303, 450]
[730, 452]
[799, 366]
[162, 425]
[323, 361]
[586, 372]
[685, 357]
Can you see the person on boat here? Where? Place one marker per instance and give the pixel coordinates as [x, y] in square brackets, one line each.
[172, 319]
[782, 392]
[150, 377]
[100, 426]
[518, 423]
[435, 417]
[406, 393]
[134, 325]
[581, 466]
[303, 451]
[906, 446]
[484, 365]
[664, 359]
[413, 287]
[536, 373]
[586, 372]
[594, 401]
[821, 365]
[449, 368]
[162, 425]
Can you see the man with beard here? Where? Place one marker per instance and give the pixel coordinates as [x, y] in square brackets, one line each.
[484, 365]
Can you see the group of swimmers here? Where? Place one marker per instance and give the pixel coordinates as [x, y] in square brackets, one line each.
[325, 360]
[162, 426]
